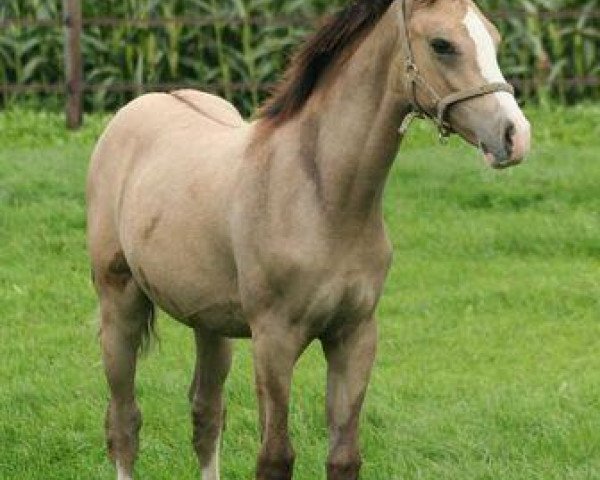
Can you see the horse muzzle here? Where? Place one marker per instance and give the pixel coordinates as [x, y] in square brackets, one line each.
[508, 145]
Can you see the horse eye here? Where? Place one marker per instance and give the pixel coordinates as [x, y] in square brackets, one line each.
[443, 47]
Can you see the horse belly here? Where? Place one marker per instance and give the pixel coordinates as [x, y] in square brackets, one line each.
[186, 268]
[192, 293]
[226, 319]
[175, 236]
[205, 309]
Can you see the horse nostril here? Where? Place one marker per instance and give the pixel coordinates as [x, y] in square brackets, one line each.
[508, 137]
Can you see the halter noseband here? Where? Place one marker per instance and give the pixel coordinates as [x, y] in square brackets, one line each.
[414, 79]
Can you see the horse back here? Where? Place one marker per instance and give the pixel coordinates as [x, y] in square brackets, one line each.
[168, 128]
[210, 106]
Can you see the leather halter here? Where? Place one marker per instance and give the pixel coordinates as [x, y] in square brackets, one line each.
[414, 79]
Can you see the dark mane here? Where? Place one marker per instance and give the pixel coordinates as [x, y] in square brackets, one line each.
[326, 46]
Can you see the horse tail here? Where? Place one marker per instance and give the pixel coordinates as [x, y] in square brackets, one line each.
[149, 333]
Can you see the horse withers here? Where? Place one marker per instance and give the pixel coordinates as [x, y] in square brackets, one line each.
[273, 230]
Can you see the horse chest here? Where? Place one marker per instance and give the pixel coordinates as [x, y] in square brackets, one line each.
[329, 288]
[341, 298]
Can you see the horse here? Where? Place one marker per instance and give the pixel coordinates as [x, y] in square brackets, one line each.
[272, 229]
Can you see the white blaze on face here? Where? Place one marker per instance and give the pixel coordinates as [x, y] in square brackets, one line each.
[488, 65]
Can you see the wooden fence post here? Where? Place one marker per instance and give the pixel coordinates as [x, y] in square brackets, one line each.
[73, 62]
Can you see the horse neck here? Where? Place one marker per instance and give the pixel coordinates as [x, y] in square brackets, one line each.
[354, 122]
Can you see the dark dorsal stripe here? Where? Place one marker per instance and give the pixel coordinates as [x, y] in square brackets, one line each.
[320, 52]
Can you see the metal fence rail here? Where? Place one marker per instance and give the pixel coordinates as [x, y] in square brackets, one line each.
[75, 85]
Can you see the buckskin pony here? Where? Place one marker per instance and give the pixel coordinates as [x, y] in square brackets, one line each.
[273, 229]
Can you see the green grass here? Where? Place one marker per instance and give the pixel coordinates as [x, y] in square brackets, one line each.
[489, 364]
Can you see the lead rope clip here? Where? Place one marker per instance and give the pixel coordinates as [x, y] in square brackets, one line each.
[405, 125]
[444, 134]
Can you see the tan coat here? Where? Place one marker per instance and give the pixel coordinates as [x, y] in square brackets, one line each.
[273, 229]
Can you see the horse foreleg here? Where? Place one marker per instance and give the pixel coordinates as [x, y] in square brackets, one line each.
[213, 361]
[275, 350]
[349, 361]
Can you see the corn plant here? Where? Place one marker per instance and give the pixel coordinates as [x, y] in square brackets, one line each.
[245, 49]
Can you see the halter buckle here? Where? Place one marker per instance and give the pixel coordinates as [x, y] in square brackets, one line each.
[412, 70]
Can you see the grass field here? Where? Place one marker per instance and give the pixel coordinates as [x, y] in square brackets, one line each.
[489, 361]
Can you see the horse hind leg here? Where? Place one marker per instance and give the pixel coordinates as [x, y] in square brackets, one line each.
[126, 318]
[213, 361]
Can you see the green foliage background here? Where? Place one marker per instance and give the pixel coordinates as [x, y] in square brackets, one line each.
[488, 365]
[246, 49]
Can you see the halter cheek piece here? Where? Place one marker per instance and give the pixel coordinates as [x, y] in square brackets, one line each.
[414, 79]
